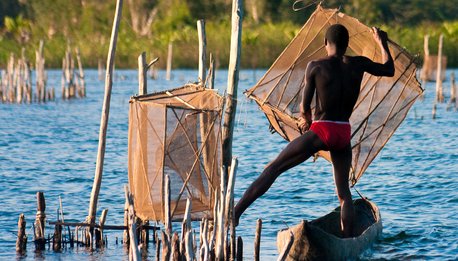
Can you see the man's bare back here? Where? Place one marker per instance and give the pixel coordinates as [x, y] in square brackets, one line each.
[336, 80]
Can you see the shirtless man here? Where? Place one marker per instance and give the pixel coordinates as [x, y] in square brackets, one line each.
[336, 80]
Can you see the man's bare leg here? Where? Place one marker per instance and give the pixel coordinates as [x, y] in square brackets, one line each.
[341, 161]
[296, 152]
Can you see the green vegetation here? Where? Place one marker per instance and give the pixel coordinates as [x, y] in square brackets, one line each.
[149, 25]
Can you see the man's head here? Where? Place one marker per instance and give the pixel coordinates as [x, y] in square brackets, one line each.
[337, 35]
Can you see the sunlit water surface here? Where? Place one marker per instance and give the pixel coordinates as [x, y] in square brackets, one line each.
[52, 147]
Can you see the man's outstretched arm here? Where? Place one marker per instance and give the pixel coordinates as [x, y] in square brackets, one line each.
[386, 68]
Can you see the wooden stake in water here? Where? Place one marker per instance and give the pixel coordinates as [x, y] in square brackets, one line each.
[21, 242]
[239, 248]
[168, 74]
[40, 73]
[202, 51]
[230, 206]
[99, 232]
[426, 68]
[257, 239]
[211, 81]
[126, 238]
[167, 215]
[434, 111]
[232, 81]
[81, 82]
[165, 247]
[220, 224]
[40, 239]
[439, 93]
[142, 87]
[100, 69]
[175, 255]
[57, 238]
[134, 253]
[104, 118]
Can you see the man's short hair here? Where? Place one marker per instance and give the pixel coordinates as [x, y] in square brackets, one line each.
[337, 34]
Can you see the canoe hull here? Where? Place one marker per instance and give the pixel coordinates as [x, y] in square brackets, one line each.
[320, 239]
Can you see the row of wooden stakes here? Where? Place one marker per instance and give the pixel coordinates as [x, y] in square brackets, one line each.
[73, 84]
[16, 81]
[217, 236]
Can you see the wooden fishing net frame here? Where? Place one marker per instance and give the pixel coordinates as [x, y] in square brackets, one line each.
[189, 124]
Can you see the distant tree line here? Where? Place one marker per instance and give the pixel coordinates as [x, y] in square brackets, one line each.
[67, 13]
[269, 25]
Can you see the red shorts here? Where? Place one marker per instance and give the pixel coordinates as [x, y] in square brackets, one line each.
[334, 134]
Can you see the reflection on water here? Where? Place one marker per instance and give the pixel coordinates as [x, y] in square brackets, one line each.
[52, 147]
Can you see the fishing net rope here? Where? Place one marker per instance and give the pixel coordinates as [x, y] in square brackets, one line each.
[175, 133]
[383, 102]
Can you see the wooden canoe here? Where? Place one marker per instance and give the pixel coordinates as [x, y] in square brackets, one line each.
[321, 239]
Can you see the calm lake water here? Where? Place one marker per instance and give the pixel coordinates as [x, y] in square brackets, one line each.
[52, 148]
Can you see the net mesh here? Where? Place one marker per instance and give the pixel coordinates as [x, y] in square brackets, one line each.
[175, 133]
[383, 102]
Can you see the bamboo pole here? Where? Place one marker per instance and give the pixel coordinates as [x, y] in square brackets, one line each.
[202, 51]
[204, 251]
[57, 238]
[69, 65]
[212, 242]
[144, 236]
[229, 214]
[27, 81]
[99, 232]
[189, 246]
[426, 69]
[167, 216]
[232, 81]
[142, 84]
[220, 234]
[81, 82]
[151, 68]
[125, 237]
[61, 209]
[186, 226]
[168, 73]
[11, 73]
[175, 255]
[439, 93]
[19, 77]
[134, 253]
[257, 239]
[285, 251]
[40, 223]
[239, 249]
[165, 247]
[21, 242]
[41, 79]
[104, 118]
[211, 82]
